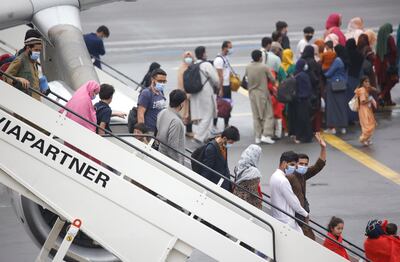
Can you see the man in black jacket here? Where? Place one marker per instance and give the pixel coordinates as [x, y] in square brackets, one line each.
[216, 157]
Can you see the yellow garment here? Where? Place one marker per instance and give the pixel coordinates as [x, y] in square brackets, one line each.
[287, 59]
[366, 115]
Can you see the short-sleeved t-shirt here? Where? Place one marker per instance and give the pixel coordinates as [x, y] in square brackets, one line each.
[153, 103]
[103, 114]
[221, 62]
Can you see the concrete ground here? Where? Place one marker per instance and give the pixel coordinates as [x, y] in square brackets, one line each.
[155, 30]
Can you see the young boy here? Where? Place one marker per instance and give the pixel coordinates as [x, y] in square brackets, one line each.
[103, 110]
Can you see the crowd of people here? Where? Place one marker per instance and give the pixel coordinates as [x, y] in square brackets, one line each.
[328, 74]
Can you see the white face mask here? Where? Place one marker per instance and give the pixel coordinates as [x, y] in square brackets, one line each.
[188, 60]
[230, 51]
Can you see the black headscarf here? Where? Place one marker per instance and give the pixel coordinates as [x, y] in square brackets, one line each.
[341, 52]
[308, 52]
[147, 78]
[356, 59]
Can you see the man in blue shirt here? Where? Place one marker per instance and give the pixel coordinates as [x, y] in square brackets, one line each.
[95, 45]
[152, 100]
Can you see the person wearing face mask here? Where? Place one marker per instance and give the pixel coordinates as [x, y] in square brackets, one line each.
[282, 195]
[224, 70]
[304, 172]
[152, 100]
[215, 156]
[25, 67]
[170, 127]
[308, 35]
[95, 45]
[188, 59]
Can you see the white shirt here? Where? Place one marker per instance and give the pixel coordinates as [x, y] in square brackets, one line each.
[263, 55]
[300, 47]
[282, 196]
[222, 62]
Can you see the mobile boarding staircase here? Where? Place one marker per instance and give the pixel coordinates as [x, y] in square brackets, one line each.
[137, 203]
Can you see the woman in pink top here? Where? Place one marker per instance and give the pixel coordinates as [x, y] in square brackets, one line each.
[332, 26]
[81, 103]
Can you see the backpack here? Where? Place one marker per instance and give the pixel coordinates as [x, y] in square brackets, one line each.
[192, 79]
[198, 155]
[132, 119]
[287, 90]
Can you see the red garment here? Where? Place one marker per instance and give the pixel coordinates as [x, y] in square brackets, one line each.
[332, 25]
[385, 80]
[329, 244]
[382, 249]
[276, 105]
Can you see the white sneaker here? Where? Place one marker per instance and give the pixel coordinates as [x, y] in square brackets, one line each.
[267, 140]
[258, 140]
[343, 131]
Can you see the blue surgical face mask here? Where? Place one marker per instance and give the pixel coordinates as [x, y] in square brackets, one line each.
[35, 55]
[290, 170]
[93, 97]
[302, 169]
[230, 51]
[160, 86]
[188, 60]
[228, 146]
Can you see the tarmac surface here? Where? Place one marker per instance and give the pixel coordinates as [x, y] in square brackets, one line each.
[156, 30]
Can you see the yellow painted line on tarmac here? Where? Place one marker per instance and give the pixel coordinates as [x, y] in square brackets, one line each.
[363, 158]
[354, 153]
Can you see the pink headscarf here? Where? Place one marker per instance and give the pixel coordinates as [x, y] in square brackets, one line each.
[332, 25]
[81, 103]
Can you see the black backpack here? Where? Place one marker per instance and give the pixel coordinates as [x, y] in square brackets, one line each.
[192, 79]
[198, 155]
[287, 90]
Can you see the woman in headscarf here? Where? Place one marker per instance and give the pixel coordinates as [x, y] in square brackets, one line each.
[248, 176]
[378, 246]
[398, 47]
[355, 28]
[287, 67]
[333, 38]
[371, 37]
[315, 74]
[332, 25]
[365, 49]
[354, 72]
[336, 102]
[147, 78]
[302, 104]
[81, 103]
[385, 63]
[188, 59]
[321, 46]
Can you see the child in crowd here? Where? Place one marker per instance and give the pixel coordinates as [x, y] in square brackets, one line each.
[139, 130]
[391, 230]
[365, 112]
[335, 228]
[328, 56]
[103, 110]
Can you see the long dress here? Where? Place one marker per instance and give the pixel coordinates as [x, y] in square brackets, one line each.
[366, 115]
[336, 103]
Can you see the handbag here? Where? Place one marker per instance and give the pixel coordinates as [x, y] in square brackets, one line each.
[245, 83]
[224, 107]
[354, 104]
[338, 85]
[234, 79]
